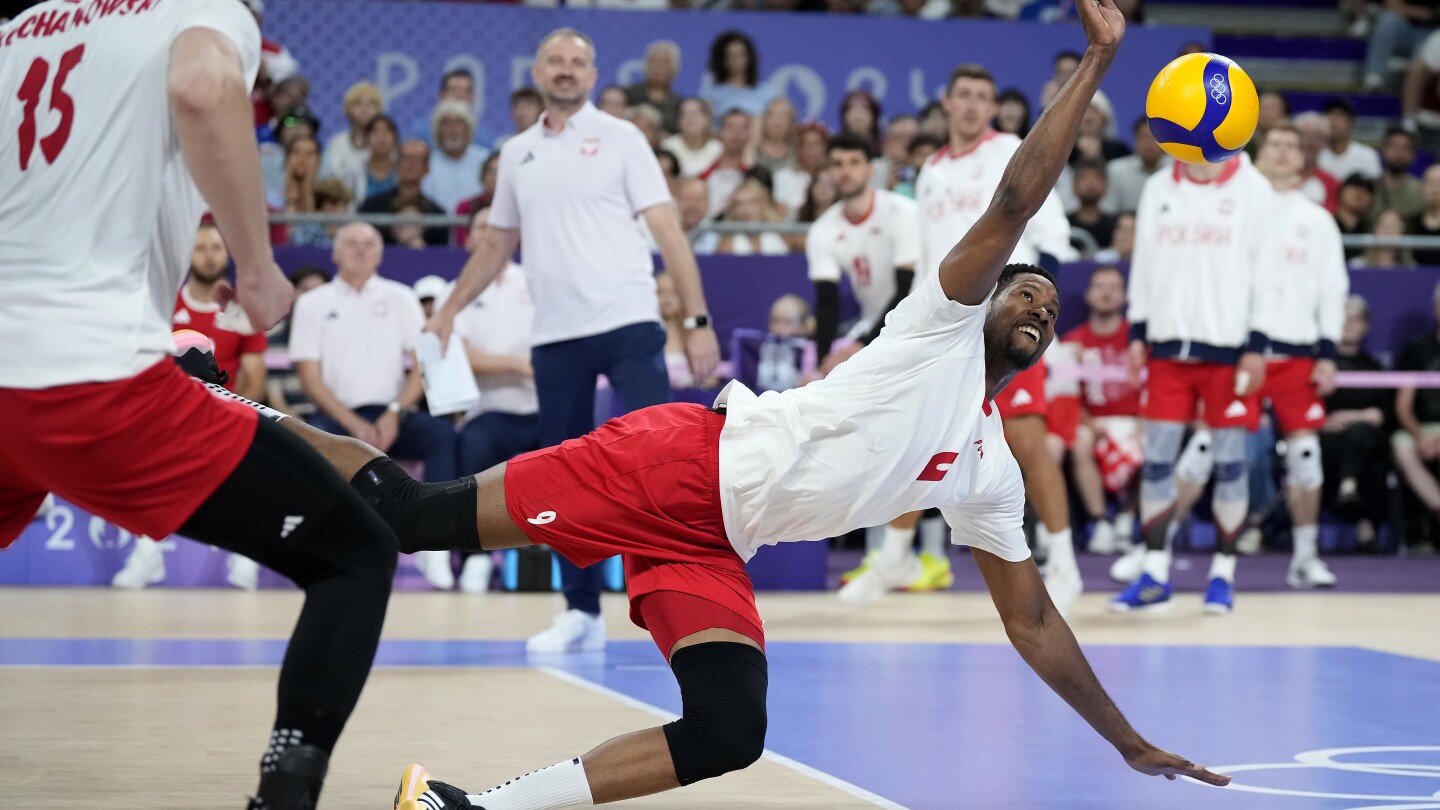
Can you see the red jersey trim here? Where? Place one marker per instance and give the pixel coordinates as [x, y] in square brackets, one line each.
[868, 211]
[944, 151]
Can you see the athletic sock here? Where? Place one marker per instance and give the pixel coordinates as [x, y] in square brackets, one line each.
[933, 538]
[1307, 542]
[425, 517]
[1157, 565]
[558, 786]
[897, 546]
[1223, 566]
[1059, 549]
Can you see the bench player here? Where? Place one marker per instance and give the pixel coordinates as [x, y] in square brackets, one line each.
[120, 121]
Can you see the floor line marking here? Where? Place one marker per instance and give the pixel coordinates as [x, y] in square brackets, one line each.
[779, 759]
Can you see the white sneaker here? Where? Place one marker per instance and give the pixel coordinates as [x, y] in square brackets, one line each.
[879, 579]
[144, 567]
[242, 572]
[1102, 538]
[1064, 586]
[475, 576]
[1310, 572]
[1250, 542]
[572, 631]
[1127, 569]
[435, 567]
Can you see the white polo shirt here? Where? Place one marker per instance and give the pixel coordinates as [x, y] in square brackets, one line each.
[360, 337]
[498, 322]
[574, 196]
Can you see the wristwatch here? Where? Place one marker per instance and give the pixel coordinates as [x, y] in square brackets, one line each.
[696, 321]
[394, 408]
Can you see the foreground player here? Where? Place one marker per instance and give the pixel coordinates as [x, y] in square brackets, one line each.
[686, 494]
[107, 116]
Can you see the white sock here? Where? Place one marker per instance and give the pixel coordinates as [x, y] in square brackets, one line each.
[560, 785]
[874, 539]
[1059, 548]
[1157, 565]
[1223, 566]
[1307, 541]
[934, 537]
[897, 546]
[1125, 526]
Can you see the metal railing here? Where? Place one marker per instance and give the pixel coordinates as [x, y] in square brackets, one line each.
[748, 228]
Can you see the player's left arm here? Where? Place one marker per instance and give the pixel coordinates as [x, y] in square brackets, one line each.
[250, 380]
[1334, 288]
[1044, 640]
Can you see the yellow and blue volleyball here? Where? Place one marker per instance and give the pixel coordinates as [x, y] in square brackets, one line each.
[1202, 108]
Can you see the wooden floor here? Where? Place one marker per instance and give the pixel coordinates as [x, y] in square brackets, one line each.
[188, 737]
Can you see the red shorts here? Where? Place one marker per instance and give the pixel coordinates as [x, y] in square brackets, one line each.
[1063, 418]
[645, 486]
[1292, 395]
[1025, 395]
[1175, 390]
[143, 453]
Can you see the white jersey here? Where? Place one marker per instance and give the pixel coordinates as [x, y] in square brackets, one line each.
[955, 188]
[99, 212]
[1193, 272]
[903, 425]
[1300, 297]
[868, 251]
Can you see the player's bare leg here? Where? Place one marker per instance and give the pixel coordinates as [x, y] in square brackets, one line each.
[1092, 490]
[1190, 475]
[1304, 476]
[1045, 487]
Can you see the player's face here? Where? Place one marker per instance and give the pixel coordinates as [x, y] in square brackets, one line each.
[1280, 157]
[1021, 321]
[851, 172]
[564, 71]
[209, 259]
[1106, 293]
[970, 106]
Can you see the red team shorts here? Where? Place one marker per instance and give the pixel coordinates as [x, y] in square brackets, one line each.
[645, 486]
[143, 453]
[1025, 395]
[1175, 391]
[1063, 419]
[1292, 395]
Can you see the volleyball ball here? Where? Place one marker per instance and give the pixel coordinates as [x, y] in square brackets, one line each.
[1202, 108]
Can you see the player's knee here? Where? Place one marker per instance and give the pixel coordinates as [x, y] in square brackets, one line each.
[1303, 468]
[357, 544]
[722, 688]
[1197, 461]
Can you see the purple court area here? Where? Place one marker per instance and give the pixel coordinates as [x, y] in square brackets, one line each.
[959, 726]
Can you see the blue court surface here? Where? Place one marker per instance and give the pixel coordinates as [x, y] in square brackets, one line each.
[949, 725]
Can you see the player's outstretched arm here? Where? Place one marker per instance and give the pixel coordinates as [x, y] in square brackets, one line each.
[970, 271]
[1044, 640]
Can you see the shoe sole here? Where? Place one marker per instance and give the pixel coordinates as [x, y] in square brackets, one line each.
[1215, 609]
[413, 782]
[1156, 607]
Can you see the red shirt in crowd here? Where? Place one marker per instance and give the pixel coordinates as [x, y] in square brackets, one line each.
[1105, 398]
[229, 329]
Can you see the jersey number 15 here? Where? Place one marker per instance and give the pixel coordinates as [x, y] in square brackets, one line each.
[60, 102]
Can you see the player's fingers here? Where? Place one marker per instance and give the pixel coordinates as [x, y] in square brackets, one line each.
[1170, 776]
[1208, 777]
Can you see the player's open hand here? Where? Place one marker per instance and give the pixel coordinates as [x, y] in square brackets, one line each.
[1154, 762]
[1103, 23]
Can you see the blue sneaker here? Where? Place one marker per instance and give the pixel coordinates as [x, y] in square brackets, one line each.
[1147, 593]
[1220, 597]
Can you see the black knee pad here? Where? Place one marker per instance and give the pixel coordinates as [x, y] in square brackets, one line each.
[722, 692]
[425, 517]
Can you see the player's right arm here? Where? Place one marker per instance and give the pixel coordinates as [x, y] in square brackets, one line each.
[1044, 640]
[968, 274]
[210, 99]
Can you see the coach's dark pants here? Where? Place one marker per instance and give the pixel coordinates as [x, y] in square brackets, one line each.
[633, 358]
[422, 437]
